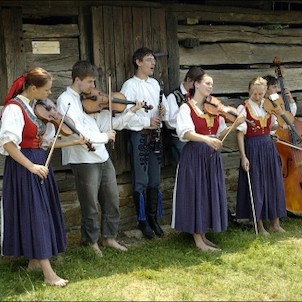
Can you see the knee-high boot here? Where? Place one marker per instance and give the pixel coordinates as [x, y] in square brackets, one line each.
[143, 223]
[152, 207]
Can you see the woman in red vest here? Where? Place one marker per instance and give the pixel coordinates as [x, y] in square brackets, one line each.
[259, 160]
[32, 223]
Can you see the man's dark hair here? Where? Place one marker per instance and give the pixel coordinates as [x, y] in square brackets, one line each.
[271, 80]
[139, 54]
[83, 69]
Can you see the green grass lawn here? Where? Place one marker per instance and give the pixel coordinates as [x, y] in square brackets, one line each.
[249, 268]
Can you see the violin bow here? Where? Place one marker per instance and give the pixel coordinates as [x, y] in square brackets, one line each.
[110, 103]
[252, 202]
[56, 137]
[54, 141]
[232, 126]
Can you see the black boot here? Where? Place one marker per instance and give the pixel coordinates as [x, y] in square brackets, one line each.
[142, 221]
[152, 205]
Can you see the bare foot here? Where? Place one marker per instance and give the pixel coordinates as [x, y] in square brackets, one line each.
[207, 241]
[96, 249]
[56, 281]
[276, 229]
[34, 266]
[264, 232]
[201, 244]
[110, 242]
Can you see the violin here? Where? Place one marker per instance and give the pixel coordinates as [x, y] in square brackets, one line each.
[215, 107]
[274, 102]
[96, 101]
[46, 111]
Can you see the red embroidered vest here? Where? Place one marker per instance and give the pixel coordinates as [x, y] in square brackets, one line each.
[262, 124]
[204, 123]
[33, 128]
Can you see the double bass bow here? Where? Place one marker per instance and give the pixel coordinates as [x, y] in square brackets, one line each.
[291, 158]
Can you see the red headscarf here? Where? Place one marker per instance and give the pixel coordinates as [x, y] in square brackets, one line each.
[15, 89]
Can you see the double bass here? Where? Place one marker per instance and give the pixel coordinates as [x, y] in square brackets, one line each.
[291, 157]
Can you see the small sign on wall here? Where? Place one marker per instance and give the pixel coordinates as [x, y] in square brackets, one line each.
[46, 47]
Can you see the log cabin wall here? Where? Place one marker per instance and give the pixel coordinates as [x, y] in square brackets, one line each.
[233, 42]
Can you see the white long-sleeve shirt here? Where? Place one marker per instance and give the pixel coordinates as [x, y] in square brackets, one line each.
[136, 89]
[174, 108]
[92, 126]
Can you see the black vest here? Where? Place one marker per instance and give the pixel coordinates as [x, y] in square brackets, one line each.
[180, 98]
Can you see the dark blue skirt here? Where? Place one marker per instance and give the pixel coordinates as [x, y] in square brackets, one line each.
[266, 181]
[200, 203]
[32, 222]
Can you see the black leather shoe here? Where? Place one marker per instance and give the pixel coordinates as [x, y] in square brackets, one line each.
[155, 227]
[146, 230]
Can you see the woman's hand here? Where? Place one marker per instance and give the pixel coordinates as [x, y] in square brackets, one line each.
[245, 164]
[39, 170]
[213, 142]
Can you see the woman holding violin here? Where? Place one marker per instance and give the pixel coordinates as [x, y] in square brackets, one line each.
[259, 163]
[32, 221]
[199, 199]
[95, 176]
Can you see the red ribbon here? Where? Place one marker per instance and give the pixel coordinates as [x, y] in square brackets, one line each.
[15, 89]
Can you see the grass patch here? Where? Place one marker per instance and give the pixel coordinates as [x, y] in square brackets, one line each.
[250, 268]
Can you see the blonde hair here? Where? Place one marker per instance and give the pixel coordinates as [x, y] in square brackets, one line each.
[258, 81]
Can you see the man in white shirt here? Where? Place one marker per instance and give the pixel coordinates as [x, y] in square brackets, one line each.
[145, 141]
[94, 173]
[175, 99]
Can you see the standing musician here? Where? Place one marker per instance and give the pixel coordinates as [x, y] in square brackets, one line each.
[259, 157]
[199, 199]
[94, 173]
[175, 99]
[145, 132]
[32, 223]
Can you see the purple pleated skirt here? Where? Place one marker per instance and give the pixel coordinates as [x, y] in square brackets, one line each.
[200, 203]
[32, 222]
[266, 181]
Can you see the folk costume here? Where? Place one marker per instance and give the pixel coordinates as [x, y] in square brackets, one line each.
[265, 167]
[199, 198]
[32, 222]
[146, 155]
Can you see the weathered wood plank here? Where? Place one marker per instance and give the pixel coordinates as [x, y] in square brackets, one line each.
[229, 81]
[118, 50]
[238, 33]
[172, 46]
[238, 53]
[98, 44]
[137, 22]
[109, 41]
[13, 44]
[35, 31]
[205, 13]
[69, 49]
[159, 42]
[128, 42]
